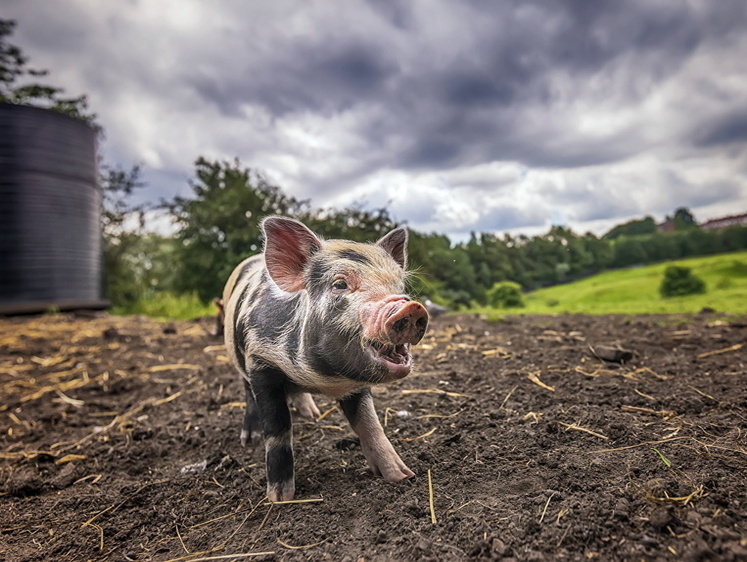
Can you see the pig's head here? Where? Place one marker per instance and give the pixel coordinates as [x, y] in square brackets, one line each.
[357, 323]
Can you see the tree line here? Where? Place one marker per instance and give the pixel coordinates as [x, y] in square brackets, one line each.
[218, 226]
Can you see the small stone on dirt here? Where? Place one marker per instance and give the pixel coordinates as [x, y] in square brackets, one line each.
[660, 519]
[611, 354]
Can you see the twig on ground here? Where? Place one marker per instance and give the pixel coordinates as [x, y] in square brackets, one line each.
[419, 436]
[436, 391]
[301, 547]
[576, 427]
[286, 502]
[544, 511]
[534, 377]
[510, 392]
[430, 498]
[719, 351]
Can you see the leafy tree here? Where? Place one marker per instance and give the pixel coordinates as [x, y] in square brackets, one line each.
[354, 223]
[122, 282]
[629, 251]
[636, 227]
[680, 281]
[684, 219]
[19, 85]
[219, 226]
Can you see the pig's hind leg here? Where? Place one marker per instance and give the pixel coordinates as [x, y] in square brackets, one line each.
[251, 429]
[304, 403]
[378, 450]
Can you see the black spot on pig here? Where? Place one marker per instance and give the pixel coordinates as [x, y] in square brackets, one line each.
[353, 255]
[274, 314]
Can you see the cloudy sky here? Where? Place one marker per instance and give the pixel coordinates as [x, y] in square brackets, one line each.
[458, 115]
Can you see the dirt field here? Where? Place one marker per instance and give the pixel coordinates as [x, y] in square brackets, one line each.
[120, 441]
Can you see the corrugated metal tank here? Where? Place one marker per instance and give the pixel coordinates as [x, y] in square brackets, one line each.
[50, 207]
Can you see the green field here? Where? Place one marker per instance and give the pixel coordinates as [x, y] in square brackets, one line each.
[636, 291]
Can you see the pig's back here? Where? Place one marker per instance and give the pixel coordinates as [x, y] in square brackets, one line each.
[247, 272]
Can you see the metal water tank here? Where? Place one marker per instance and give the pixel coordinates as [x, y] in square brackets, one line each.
[50, 208]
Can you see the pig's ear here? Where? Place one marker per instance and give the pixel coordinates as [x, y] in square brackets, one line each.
[396, 244]
[288, 247]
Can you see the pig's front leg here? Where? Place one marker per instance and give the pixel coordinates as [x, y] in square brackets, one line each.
[272, 406]
[381, 456]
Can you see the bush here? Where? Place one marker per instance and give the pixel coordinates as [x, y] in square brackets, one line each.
[162, 304]
[680, 281]
[505, 294]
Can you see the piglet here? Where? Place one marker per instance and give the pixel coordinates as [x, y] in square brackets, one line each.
[312, 316]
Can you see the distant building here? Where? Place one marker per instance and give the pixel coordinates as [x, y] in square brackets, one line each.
[725, 222]
[667, 226]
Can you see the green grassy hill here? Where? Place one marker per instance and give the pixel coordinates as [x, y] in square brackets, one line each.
[636, 290]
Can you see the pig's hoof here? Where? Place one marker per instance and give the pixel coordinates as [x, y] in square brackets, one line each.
[250, 437]
[397, 474]
[392, 469]
[305, 405]
[281, 491]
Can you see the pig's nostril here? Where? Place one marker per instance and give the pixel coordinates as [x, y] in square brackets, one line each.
[401, 324]
[421, 323]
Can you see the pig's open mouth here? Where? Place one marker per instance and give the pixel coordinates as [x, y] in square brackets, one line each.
[396, 358]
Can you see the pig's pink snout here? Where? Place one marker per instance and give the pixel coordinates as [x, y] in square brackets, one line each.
[407, 324]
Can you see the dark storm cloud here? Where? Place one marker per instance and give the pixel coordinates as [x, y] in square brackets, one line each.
[349, 99]
[398, 14]
[464, 104]
[731, 129]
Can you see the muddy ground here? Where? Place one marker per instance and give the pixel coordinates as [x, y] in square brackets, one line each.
[120, 441]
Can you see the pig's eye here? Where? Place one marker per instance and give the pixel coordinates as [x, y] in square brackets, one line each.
[340, 285]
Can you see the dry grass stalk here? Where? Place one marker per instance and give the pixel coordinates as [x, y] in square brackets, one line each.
[702, 393]
[666, 414]
[419, 436]
[544, 511]
[222, 517]
[174, 367]
[645, 443]
[510, 392]
[646, 370]
[536, 416]
[325, 414]
[697, 493]
[427, 416]
[596, 372]
[576, 427]
[189, 557]
[499, 351]
[430, 498]
[69, 458]
[646, 396]
[534, 377]
[436, 391]
[719, 351]
[234, 405]
[288, 502]
[301, 547]
[94, 478]
[101, 533]
[178, 534]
